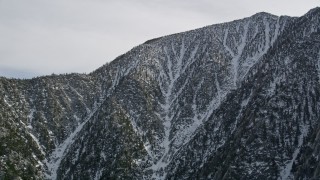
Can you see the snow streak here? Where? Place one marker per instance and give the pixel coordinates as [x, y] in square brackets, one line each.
[240, 47]
[53, 162]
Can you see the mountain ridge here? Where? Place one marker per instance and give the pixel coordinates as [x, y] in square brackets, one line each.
[218, 102]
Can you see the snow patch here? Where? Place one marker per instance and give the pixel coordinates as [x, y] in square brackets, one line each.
[53, 162]
[6, 101]
[236, 57]
[98, 174]
[276, 31]
[174, 71]
[30, 118]
[286, 171]
[37, 142]
[318, 66]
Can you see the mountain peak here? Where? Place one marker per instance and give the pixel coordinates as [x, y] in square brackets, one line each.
[263, 15]
[314, 11]
[237, 99]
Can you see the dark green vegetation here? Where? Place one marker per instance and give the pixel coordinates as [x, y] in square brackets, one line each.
[237, 100]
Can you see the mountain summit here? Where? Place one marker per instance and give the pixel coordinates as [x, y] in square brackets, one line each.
[237, 100]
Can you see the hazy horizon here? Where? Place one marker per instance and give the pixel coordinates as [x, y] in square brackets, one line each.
[41, 37]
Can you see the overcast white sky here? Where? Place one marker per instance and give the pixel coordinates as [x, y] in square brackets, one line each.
[39, 37]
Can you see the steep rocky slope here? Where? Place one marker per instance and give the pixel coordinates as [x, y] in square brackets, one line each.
[37, 115]
[237, 100]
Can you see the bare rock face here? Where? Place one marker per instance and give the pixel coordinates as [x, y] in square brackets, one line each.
[238, 100]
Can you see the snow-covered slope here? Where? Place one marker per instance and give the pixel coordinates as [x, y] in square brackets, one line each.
[227, 101]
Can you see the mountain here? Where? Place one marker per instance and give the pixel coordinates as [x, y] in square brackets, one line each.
[237, 100]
